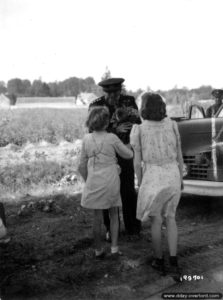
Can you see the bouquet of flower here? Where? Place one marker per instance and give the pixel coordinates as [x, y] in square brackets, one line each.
[127, 115]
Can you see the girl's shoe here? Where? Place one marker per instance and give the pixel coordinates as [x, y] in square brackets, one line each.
[116, 255]
[100, 256]
[5, 240]
[175, 272]
[158, 265]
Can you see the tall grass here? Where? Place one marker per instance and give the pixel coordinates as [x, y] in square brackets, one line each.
[34, 125]
[28, 178]
[27, 165]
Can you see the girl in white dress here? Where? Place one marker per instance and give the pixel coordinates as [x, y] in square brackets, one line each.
[158, 165]
[98, 167]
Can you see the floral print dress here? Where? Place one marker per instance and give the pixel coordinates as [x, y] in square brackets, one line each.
[99, 167]
[160, 190]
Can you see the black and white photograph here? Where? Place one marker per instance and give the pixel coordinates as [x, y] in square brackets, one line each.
[111, 149]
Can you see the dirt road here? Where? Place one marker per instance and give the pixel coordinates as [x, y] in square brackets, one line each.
[51, 255]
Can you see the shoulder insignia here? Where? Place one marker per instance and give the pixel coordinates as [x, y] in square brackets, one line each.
[96, 101]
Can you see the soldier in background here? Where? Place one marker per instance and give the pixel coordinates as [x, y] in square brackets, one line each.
[218, 96]
[118, 104]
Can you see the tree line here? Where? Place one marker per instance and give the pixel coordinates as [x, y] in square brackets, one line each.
[182, 96]
[38, 88]
[73, 86]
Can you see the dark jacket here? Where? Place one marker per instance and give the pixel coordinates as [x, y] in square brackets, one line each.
[211, 111]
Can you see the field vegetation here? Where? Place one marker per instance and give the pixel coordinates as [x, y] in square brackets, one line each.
[30, 100]
[38, 148]
[21, 126]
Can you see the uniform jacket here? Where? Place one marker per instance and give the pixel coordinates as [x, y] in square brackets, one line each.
[211, 111]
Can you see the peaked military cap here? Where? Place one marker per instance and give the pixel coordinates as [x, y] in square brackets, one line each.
[111, 84]
[217, 93]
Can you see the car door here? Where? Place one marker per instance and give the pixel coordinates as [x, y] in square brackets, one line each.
[195, 131]
[202, 144]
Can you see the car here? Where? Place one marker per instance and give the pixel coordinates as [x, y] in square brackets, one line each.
[202, 148]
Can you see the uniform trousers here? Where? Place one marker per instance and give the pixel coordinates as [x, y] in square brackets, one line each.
[128, 196]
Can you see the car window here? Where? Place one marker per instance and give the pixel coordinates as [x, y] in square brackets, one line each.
[196, 113]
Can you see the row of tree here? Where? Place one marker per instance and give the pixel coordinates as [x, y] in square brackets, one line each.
[69, 87]
[74, 86]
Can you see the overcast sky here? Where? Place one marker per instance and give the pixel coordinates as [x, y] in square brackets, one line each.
[155, 43]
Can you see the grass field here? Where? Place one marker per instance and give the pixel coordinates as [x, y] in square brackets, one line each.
[34, 125]
[34, 100]
[38, 148]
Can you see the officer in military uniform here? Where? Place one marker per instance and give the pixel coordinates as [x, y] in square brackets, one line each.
[218, 96]
[114, 100]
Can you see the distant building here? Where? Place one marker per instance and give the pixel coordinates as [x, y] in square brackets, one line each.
[85, 99]
[4, 101]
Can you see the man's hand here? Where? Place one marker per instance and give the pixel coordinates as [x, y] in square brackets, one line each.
[124, 127]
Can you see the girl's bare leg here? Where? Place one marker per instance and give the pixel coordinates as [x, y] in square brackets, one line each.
[113, 211]
[157, 236]
[172, 235]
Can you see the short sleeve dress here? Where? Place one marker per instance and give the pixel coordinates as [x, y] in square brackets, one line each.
[160, 190]
[99, 162]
